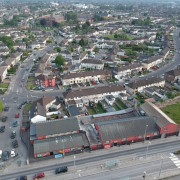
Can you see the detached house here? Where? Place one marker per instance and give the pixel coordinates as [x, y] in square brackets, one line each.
[92, 64]
[139, 85]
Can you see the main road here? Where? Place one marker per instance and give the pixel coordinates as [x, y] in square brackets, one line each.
[165, 147]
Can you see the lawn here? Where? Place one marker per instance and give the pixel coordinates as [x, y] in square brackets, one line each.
[27, 107]
[1, 106]
[173, 111]
[100, 109]
[31, 85]
[4, 85]
[121, 104]
[91, 111]
[116, 107]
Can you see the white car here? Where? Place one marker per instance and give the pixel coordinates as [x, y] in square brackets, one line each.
[0, 153]
[13, 153]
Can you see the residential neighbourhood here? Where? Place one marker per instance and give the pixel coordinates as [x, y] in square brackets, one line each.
[82, 81]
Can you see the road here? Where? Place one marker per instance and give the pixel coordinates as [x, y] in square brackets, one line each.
[165, 147]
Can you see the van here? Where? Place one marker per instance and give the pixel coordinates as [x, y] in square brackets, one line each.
[0, 154]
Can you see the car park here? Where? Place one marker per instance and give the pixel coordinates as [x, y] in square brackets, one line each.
[3, 118]
[39, 175]
[5, 155]
[21, 178]
[15, 123]
[61, 170]
[2, 128]
[15, 144]
[13, 134]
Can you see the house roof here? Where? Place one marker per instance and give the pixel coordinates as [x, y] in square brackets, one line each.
[93, 91]
[127, 67]
[43, 77]
[45, 100]
[88, 73]
[174, 72]
[153, 110]
[8, 62]
[144, 82]
[73, 110]
[2, 69]
[128, 127]
[152, 59]
[61, 142]
[57, 126]
[91, 61]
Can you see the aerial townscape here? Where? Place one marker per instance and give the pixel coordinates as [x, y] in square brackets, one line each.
[89, 89]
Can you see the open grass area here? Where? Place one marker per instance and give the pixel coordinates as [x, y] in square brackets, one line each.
[31, 83]
[91, 111]
[173, 111]
[4, 85]
[1, 106]
[121, 104]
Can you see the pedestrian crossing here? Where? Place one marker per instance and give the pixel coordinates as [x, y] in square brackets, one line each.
[175, 160]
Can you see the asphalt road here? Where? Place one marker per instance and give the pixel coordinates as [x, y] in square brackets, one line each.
[153, 149]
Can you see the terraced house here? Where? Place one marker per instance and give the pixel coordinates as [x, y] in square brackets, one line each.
[83, 77]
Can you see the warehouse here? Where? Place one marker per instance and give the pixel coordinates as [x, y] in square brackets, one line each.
[165, 124]
[61, 145]
[124, 131]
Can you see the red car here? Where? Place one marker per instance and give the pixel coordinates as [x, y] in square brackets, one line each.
[17, 115]
[39, 175]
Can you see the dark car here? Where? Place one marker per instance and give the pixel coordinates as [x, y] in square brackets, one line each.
[19, 106]
[61, 170]
[39, 175]
[15, 144]
[6, 108]
[2, 128]
[13, 134]
[22, 178]
[3, 118]
[5, 155]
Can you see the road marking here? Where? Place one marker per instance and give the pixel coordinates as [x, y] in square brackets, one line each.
[175, 160]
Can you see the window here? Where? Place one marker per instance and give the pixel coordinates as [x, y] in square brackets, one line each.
[155, 133]
[139, 136]
[107, 142]
[123, 139]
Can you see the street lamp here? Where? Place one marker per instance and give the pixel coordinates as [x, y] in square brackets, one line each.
[63, 147]
[160, 167]
[145, 131]
[74, 160]
[149, 143]
[144, 174]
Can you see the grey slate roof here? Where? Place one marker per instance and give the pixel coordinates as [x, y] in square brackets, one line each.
[144, 82]
[58, 126]
[73, 110]
[152, 59]
[124, 128]
[152, 110]
[91, 61]
[174, 72]
[56, 143]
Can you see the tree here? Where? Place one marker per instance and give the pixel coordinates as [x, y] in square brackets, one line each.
[83, 42]
[58, 49]
[43, 22]
[98, 18]
[170, 95]
[70, 48]
[59, 60]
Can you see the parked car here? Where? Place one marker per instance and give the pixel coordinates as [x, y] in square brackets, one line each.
[3, 118]
[177, 152]
[19, 106]
[22, 178]
[61, 170]
[17, 115]
[6, 108]
[39, 175]
[5, 155]
[25, 127]
[0, 154]
[15, 123]
[15, 144]
[2, 128]
[13, 153]
[13, 134]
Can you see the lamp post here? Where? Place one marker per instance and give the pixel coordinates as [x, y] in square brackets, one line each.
[144, 174]
[145, 132]
[63, 147]
[74, 160]
[149, 143]
[161, 166]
